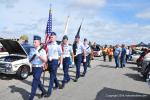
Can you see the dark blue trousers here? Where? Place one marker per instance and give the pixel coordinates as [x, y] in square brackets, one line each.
[88, 60]
[117, 60]
[66, 62]
[36, 83]
[123, 61]
[52, 65]
[78, 61]
[85, 64]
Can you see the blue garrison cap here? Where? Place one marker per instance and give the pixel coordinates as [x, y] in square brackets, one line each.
[52, 33]
[85, 39]
[36, 37]
[65, 37]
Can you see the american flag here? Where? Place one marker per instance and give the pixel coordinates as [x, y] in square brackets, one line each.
[48, 29]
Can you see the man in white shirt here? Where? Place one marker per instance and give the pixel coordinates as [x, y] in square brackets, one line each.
[67, 50]
[54, 54]
[87, 53]
[78, 50]
[38, 58]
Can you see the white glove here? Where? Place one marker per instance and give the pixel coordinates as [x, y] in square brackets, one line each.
[37, 53]
[61, 66]
[84, 60]
[50, 58]
[72, 63]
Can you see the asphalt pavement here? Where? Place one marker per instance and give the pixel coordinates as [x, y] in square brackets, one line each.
[102, 82]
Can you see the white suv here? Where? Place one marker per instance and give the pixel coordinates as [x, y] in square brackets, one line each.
[17, 62]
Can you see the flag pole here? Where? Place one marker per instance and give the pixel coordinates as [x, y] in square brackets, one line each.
[46, 65]
[82, 20]
[66, 25]
[80, 26]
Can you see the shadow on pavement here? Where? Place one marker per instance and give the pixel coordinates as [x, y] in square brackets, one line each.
[135, 77]
[107, 66]
[7, 76]
[134, 68]
[27, 82]
[24, 93]
[114, 94]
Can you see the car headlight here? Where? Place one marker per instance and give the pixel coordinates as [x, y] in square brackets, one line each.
[8, 65]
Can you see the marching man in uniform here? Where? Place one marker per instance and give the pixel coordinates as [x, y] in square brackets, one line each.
[54, 54]
[37, 66]
[78, 50]
[67, 50]
[87, 52]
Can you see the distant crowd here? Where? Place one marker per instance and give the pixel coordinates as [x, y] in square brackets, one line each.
[120, 53]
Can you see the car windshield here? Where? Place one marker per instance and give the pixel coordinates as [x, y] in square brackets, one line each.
[137, 52]
[27, 48]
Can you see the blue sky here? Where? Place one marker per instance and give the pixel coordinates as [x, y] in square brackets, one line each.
[106, 21]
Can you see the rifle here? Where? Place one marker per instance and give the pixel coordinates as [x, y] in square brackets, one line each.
[35, 54]
[43, 77]
[74, 47]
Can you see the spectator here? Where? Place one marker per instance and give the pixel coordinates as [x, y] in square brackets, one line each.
[117, 54]
[123, 56]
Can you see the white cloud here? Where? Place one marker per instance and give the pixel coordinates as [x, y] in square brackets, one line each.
[107, 33]
[30, 17]
[144, 14]
[90, 3]
[8, 3]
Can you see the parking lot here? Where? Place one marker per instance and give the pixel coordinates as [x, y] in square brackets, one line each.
[102, 82]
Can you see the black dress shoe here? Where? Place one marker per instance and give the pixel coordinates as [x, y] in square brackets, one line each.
[82, 75]
[43, 95]
[62, 86]
[47, 95]
[56, 87]
[76, 80]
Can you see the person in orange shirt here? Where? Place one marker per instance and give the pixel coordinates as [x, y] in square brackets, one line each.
[104, 51]
[110, 53]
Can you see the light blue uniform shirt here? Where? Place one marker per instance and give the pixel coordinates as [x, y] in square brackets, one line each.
[67, 50]
[54, 50]
[80, 48]
[37, 60]
[87, 49]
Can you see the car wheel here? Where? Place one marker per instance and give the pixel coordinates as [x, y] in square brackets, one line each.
[23, 72]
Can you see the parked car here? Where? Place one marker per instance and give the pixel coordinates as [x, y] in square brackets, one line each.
[17, 62]
[3, 54]
[135, 56]
[141, 58]
[97, 52]
[145, 69]
[2, 51]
